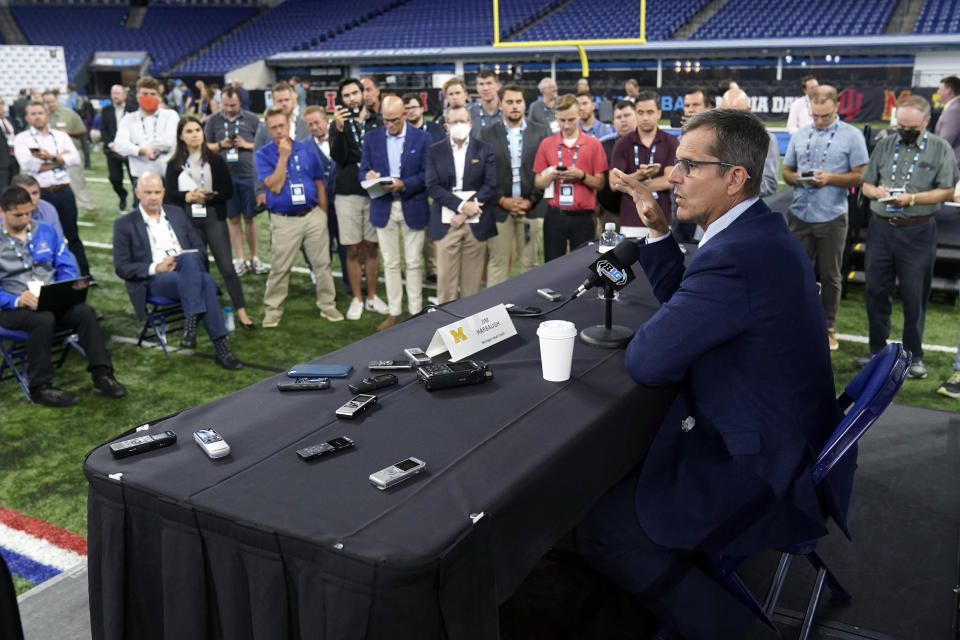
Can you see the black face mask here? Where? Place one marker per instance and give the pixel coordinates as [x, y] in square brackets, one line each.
[908, 136]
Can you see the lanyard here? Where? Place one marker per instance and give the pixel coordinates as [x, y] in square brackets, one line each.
[519, 142]
[156, 119]
[483, 117]
[358, 132]
[826, 148]
[56, 147]
[236, 127]
[576, 152]
[155, 242]
[913, 163]
[636, 155]
[203, 177]
[16, 249]
[296, 163]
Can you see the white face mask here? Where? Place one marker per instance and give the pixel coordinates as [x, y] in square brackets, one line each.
[460, 131]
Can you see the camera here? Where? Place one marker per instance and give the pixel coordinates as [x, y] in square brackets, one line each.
[453, 374]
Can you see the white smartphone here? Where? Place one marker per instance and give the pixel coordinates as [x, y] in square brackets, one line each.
[212, 443]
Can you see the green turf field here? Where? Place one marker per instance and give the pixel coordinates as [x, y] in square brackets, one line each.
[43, 448]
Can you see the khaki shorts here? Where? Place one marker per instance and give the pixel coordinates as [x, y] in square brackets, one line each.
[353, 218]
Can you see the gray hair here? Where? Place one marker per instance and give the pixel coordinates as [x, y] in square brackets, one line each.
[544, 82]
[739, 139]
[914, 101]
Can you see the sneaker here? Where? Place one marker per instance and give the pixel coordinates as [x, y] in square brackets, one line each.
[832, 340]
[377, 305]
[951, 386]
[355, 310]
[331, 314]
[106, 384]
[240, 266]
[257, 266]
[48, 395]
[917, 370]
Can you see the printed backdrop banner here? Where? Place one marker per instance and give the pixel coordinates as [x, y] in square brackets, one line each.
[25, 66]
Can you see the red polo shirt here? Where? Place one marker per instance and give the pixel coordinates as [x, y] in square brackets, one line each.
[589, 158]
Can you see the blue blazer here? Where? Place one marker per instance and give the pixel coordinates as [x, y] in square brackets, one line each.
[742, 329]
[132, 255]
[479, 174]
[412, 166]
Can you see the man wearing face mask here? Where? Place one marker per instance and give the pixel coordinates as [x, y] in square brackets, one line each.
[148, 136]
[460, 225]
[908, 176]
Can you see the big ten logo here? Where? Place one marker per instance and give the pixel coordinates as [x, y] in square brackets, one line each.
[458, 335]
[890, 100]
[849, 104]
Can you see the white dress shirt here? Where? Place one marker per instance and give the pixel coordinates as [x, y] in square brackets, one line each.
[53, 142]
[136, 130]
[163, 239]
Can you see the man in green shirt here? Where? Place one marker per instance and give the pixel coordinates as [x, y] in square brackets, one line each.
[909, 174]
[67, 120]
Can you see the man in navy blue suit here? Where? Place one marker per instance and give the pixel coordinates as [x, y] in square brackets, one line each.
[157, 253]
[742, 332]
[399, 151]
[455, 168]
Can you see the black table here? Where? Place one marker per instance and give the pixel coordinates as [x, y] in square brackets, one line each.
[262, 545]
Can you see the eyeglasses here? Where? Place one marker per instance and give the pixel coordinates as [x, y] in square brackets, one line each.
[688, 165]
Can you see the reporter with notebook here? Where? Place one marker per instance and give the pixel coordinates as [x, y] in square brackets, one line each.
[33, 252]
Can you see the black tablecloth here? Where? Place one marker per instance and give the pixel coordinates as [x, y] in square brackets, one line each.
[262, 545]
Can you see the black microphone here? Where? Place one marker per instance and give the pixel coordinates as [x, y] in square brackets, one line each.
[612, 267]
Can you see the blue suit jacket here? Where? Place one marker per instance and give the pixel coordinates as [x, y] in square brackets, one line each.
[412, 167]
[132, 255]
[479, 174]
[743, 330]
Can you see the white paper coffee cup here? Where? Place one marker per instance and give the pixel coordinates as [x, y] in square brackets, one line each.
[34, 286]
[556, 349]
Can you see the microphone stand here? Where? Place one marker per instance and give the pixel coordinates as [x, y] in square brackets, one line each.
[607, 335]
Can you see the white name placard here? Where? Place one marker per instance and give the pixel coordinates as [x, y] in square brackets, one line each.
[473, 334]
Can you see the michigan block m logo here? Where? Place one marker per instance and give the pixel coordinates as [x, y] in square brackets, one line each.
[458, 335]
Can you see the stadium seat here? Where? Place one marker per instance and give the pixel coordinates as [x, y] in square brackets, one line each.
[13, 350]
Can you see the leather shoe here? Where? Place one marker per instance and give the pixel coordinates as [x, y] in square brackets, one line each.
[388, 322]
[249, 326]
[188, 339]
[106, 384]
[228, 361]
[51, 396]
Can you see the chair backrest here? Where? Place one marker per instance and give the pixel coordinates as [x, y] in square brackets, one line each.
[870, 391]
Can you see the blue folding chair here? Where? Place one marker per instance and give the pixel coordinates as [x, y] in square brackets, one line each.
[13, 351]
[869, 393]
[164, 316]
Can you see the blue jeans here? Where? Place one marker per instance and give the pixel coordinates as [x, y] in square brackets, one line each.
[195, 289]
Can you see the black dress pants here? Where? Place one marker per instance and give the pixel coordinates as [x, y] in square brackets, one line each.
[65, 203]
[115, 167]
[214, 233]
[40, 327]
[561, 226]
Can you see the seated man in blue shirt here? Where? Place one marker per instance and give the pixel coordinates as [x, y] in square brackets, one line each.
[43, 211]
[297, 202]
[157, 252]
[33, 252]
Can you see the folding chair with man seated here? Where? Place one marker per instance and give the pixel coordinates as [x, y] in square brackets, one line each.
[13, 349]
[164, 316]
[869, 393]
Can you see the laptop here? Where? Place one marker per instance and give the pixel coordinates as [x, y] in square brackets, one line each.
[59, 296]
